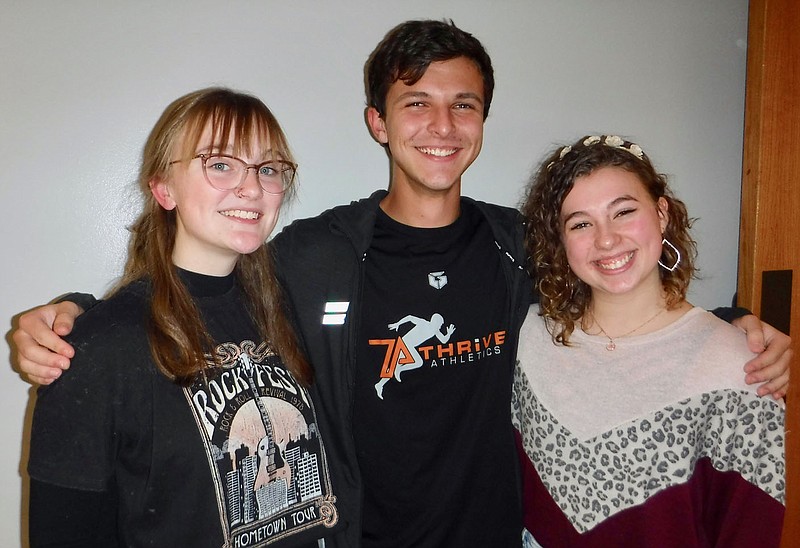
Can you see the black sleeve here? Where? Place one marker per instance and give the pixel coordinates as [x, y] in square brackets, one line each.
[84, 300]
[730, 313]
[71, 518]
[78, 421]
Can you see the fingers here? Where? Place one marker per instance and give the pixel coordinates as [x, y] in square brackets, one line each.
[40, 344]
[35, 379]
[776, 388]
[35, 331]
[754, 329]
[29, 350]
[771, 366]
[770, 370]
[66, 312]
[41, 354]
[36, 362]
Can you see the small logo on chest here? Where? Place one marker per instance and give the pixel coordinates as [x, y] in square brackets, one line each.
[437, 280]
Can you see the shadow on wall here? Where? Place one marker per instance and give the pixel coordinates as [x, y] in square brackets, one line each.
[22, 468]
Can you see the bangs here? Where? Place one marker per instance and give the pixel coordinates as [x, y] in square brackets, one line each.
[239, 125]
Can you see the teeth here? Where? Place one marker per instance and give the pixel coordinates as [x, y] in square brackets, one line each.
[613, 265]
[240, 214]
[438, 151]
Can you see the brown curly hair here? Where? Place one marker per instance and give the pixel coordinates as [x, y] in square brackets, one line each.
[564, 297]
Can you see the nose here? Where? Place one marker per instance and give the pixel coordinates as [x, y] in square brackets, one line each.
[441, 122]
[605, 237]
[250, 187]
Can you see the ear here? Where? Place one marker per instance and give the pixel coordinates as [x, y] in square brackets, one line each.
[161, 192]
[663, 213]
[377, 125]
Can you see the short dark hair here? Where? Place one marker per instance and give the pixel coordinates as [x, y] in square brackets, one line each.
[409, 48]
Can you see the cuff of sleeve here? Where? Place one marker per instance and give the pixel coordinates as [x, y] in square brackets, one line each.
[84, 300]
[730, 313]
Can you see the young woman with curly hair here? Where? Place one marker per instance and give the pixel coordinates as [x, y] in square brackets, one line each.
[636, 426]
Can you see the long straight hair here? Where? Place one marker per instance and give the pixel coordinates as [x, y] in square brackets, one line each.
[179, 340]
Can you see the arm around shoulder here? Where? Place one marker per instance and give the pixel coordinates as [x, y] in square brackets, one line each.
[41, 353]
[771, 366]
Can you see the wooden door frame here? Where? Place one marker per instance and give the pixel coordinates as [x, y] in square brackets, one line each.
[770, 209]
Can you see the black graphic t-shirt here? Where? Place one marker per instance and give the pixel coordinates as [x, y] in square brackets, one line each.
[234, 460]
[432, 413]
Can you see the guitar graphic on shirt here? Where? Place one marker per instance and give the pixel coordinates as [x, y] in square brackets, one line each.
[269, 454]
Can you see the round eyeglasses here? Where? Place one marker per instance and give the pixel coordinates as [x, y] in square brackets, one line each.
[225, 172]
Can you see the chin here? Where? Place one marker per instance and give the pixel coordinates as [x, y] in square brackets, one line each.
[250, 249]
[620, 288]
[247, 247]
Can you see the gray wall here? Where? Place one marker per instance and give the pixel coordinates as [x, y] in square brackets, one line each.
[83, 81]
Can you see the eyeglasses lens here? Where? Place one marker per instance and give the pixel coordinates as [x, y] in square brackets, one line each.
[227, 172]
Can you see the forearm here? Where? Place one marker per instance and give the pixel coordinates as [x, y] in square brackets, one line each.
[730, 313]
[71, 518]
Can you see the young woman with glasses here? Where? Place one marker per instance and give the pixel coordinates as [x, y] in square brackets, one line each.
[185, 419]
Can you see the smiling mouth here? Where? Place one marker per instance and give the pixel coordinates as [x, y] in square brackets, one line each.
[439, 152]
[241, 214]
[616, 263]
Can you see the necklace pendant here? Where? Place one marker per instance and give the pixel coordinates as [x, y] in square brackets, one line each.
[611, 346]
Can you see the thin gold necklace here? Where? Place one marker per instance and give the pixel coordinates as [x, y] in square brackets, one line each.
[611, 346]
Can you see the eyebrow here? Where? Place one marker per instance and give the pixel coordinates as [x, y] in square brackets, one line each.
[216, 148]
[613, 203]
[470, 95]
[269, 153]
[423, 94]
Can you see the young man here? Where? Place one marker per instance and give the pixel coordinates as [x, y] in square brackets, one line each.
[409, 303]
[431, 292]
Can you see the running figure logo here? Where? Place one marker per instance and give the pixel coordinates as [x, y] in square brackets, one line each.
[401, 353]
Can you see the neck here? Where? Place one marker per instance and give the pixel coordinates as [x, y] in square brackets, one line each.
[423, 208]
[221, 267]
[619, 314]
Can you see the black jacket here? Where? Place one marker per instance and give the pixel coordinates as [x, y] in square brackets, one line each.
[321, 260]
